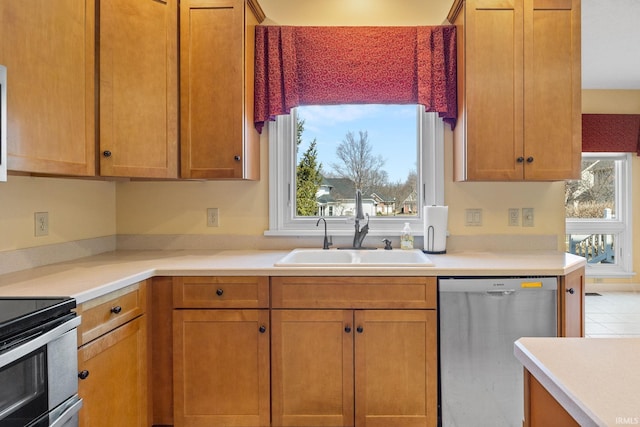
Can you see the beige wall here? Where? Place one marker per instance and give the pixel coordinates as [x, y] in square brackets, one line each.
[78, 209]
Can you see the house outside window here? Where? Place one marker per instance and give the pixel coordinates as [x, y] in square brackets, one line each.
[598, 214]
[335, 195]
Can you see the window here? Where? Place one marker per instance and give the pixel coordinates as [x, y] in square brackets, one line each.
[598, 214]
[418, 149]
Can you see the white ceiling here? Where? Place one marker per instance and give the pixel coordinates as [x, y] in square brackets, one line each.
[610, 29]
[611, 44]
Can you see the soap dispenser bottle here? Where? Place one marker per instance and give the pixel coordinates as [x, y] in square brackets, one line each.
[406, 238]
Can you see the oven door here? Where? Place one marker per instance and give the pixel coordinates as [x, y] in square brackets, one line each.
[23, 389]
[38, 375]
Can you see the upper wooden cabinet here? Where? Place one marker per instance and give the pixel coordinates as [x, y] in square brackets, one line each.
[218, 138]
[519, 89]
[138, 45]
[48, 48]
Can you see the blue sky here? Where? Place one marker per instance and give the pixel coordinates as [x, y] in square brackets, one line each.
[391, 130]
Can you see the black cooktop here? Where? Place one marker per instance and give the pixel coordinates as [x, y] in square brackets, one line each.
[21, 314]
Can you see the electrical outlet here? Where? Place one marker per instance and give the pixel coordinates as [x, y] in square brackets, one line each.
[473, 217]
[212, 217]
[527, 217]
[41, 223]
[514, 217]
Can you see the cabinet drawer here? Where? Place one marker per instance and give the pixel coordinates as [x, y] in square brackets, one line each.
[221, 292]
[107, 312]
[353, 292]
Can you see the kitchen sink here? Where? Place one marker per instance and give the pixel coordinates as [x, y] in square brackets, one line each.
[354, 258]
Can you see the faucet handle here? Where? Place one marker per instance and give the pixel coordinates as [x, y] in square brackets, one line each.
[387, 244]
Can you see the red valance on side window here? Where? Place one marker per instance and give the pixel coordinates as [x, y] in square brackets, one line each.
[354, 65]
[613, 133]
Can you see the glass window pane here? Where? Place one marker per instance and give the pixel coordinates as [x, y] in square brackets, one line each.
[594, 195]
[596, 248]
[344, 147]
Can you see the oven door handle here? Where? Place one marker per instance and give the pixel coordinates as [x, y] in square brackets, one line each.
[63, 418]
[32, 345]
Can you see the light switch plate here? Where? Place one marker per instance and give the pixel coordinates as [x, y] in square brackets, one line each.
[473, 217]
[514, 217]
[527, 217]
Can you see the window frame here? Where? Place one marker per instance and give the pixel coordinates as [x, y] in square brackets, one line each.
[282, 170]
[620, 227]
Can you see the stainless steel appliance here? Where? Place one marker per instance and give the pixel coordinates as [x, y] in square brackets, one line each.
[38, 362]
[481, 382]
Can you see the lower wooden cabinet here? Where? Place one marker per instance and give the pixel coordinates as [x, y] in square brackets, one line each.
[571, 304]
[540, 408]
[354, 367]
[112, 359]
[115, 389]
[221, 368]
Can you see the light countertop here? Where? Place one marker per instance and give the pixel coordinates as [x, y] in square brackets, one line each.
[90, 277]
[596, 380]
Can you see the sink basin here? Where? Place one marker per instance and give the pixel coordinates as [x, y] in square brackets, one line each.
[354, 258]
[403, 258]
[301, 257]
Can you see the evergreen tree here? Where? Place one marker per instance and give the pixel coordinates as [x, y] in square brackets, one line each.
[308, 176]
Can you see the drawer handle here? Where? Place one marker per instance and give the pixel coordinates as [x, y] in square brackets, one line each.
[262, 329]
[520, 159]
[347, 329]
[116, 310]
[360, 329]
[571, 291]
[219, 292]
[83, 374]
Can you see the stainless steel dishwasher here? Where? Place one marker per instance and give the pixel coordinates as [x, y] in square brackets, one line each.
[481, 382]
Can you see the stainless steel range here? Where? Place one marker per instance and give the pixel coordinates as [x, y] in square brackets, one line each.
[38, 362]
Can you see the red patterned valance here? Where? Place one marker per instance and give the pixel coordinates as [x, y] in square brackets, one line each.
[613, 133]
[354, 65]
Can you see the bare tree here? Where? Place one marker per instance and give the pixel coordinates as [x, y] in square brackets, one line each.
[359, 164]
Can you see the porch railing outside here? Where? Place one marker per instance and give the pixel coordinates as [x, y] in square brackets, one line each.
[596, 248]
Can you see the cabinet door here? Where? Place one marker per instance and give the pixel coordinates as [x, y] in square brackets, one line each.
[396, 368]
[116, 388]
[553, 115]
[216, 99]
[221, 368]
[571, 301]
[492, 91]
[138, 88]
[312, 367]
[48, 48]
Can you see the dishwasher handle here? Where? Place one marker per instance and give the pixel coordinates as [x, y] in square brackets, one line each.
[500, 293]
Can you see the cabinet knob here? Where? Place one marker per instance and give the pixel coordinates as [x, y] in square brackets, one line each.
[237, 158]
[520, 159]
[262, 329]
[83, 374]
[106, 153]
[347, 329]
[529, 159]
[219, 292]
[360, 329]
[116, 310]
[571, 291]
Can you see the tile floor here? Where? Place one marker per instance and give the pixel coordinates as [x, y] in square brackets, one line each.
[612, 314]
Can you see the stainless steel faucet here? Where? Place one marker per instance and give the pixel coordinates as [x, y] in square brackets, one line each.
[327, 240]
[360, 233]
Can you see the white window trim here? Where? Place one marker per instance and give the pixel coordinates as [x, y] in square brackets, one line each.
[282, 168]
[621, 227]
